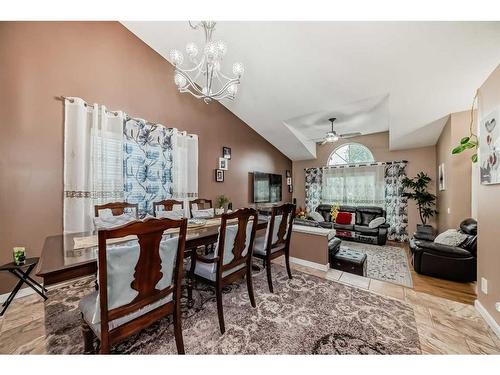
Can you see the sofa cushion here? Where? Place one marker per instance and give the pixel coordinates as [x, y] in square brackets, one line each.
[364, 218]
[343, 226]
[316, 216]
[366, 230]
[451, 237]
[344, 218]
[375, 223]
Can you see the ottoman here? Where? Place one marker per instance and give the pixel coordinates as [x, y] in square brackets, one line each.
[350, 261]
[333, 248]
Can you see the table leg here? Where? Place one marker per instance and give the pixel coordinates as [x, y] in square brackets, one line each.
[11, 296]
[35, 286]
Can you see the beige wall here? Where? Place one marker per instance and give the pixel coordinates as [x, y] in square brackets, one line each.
[101, 62]
[457, 196]
[419, 159]
[489, 213]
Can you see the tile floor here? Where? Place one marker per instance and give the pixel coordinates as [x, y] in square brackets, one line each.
[444, 326]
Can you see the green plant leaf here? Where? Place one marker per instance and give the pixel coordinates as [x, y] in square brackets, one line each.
[474, 158]
[458, 150]
[464, 140]
[469, 145]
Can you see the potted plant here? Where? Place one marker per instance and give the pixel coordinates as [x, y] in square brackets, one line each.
[223, 202]
[416, 189]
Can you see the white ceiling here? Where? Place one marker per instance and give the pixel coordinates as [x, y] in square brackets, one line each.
[373, 76]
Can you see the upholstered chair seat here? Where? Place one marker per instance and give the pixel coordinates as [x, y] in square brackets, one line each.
[206, 271]
[260, 246]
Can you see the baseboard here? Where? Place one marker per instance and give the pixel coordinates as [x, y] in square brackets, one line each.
[487, 317]
[306, 263]
[22, 293]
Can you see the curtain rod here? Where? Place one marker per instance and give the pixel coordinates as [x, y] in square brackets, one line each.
[127, 117]
[360, 164]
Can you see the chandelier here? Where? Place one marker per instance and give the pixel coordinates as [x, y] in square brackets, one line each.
[206, 68]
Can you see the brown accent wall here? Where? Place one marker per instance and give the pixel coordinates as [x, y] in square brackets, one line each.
[489, 213]
[419, 159]
[100, 62]
[458, 168]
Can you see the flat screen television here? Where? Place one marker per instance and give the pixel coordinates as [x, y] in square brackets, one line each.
[266, 187]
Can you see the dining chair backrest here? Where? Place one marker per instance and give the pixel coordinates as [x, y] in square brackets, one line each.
[139, 273]
[116, 208]
[236, 239]
[199, 204]
[279, 227]
[168, 205]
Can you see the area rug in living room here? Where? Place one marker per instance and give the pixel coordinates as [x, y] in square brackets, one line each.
[386, 263]
[305, 315]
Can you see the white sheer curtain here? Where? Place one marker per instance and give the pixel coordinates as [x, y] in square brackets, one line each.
[354, 186]
[93, 161]
[185, 167]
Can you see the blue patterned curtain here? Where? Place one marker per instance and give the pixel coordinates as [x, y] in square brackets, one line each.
[313, 188]
[147, 164]
[396, 204]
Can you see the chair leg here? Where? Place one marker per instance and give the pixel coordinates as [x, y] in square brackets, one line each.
[179, 342]
[104, 349]
[250, 286]
[88, 338]
[269, 276]
[220, 311]
[287, 263]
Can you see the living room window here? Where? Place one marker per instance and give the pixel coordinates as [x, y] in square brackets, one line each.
[350, 153]
[346, 184]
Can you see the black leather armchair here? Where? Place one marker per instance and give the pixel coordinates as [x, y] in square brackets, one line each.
[448, 262]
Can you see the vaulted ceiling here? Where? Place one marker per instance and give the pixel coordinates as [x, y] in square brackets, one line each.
[404, 77]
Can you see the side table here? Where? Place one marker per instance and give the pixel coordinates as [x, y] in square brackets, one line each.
[22, 272]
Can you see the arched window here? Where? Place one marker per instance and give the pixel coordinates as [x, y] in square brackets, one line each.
[350, 153]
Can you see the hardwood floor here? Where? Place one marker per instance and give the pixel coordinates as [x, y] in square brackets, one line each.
[447, 322]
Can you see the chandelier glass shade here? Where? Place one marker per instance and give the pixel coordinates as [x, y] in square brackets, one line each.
[205, 68]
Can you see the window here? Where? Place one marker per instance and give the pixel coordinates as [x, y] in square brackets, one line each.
[350, 153]
[354, 186]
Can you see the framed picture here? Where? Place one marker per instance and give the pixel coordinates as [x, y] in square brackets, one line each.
[223, 164]
[288, 181]
[219, 175]
[226, 152]
[489, 152]
[288, 174]
[441, 177]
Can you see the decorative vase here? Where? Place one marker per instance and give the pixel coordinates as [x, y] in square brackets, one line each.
[19, 255]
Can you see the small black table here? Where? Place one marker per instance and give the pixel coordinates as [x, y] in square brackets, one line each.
[24, 278]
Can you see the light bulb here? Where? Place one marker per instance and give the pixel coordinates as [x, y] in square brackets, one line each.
[232, 89]
[176, 57]
[221, 48]
[211, 51]
[192, 49]
[238, 69]
[180, 80]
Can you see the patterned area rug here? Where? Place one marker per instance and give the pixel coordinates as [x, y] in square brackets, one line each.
[386, 263]
[305, 315]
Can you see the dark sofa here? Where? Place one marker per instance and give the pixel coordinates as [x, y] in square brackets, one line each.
[359, 231]
[458, 263]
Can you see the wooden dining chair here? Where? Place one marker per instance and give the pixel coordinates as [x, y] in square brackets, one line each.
[167, 205]
[276, 242]
[117, 208]
[200, 203]
[122, 308]
[231, 260]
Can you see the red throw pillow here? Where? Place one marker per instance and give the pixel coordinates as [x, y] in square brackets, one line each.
[344, 218]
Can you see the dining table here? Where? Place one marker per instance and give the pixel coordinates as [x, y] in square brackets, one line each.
[72, 255]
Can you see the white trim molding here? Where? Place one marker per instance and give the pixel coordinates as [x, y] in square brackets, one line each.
[306, 263]
[487, 317]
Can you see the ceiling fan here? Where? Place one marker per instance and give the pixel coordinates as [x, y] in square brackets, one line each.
[332, 136]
